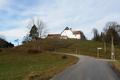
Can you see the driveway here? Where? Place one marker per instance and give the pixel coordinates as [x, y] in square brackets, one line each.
[88, 68]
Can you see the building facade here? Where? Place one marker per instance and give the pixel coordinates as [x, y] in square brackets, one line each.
[68, 33]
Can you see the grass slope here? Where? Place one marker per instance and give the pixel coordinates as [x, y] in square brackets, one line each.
[34, 61]
[14, 66]
[89, 48]
[83, 47]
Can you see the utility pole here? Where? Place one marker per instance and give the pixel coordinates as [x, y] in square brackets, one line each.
[112, 48]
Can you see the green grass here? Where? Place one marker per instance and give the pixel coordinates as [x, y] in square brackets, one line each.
[19, 64]
[25, 63]
[89, 48]
[83, 47]
[14, 66]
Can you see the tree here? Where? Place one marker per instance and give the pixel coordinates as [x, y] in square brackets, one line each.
[26, 39]
[38, 29]
[96, 34]
[112, 33]
[102, 37]
[17, 41]
[112, 29]
[34, 32]
[113, 25]
[5, 44]
[41, 28]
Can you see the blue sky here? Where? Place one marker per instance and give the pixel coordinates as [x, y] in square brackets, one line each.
[15, 15]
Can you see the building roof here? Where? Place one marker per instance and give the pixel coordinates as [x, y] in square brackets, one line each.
[76, 32]
[67, 28]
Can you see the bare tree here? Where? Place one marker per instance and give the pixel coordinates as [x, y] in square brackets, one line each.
[112, 25]
[41, 28]
[112, 29]
[26, 39]
[17, 41]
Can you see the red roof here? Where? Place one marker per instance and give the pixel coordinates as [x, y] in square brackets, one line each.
[76, 32]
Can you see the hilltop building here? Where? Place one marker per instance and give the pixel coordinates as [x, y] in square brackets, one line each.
[68, 33]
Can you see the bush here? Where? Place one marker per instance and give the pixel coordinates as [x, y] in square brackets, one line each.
[33, 77]
[34, 51]
[64, 57]
[38, 76]
[0, 50]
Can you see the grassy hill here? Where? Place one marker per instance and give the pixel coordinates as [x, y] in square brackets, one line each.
[32, 61]
[40, 66]
[36, 59]
[83, 47]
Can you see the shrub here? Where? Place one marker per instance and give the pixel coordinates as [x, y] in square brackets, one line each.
[0, 50]
[64, 57]
[38, 76]
[33, 77]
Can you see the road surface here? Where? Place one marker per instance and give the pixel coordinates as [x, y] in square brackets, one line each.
[88, 68]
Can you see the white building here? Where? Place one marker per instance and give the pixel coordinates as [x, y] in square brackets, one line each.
[72, 34]
[68, 33]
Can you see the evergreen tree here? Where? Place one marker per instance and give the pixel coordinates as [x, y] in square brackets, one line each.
[96, 35]
[34, 32]
[5, 44]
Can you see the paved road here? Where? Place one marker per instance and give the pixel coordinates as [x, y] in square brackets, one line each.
[88, 69]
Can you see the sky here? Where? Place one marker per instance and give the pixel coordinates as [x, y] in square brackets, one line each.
[84, 15]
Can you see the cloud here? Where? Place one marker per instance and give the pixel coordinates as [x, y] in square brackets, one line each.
[3, 3]
[14, 33]
[99, 24]
[57, 14]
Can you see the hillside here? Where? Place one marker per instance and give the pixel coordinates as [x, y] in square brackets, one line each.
[14, 66]
[36, 60]
[32, 61]
[82, 47]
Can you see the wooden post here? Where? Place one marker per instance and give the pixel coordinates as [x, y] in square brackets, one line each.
[98, 52]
